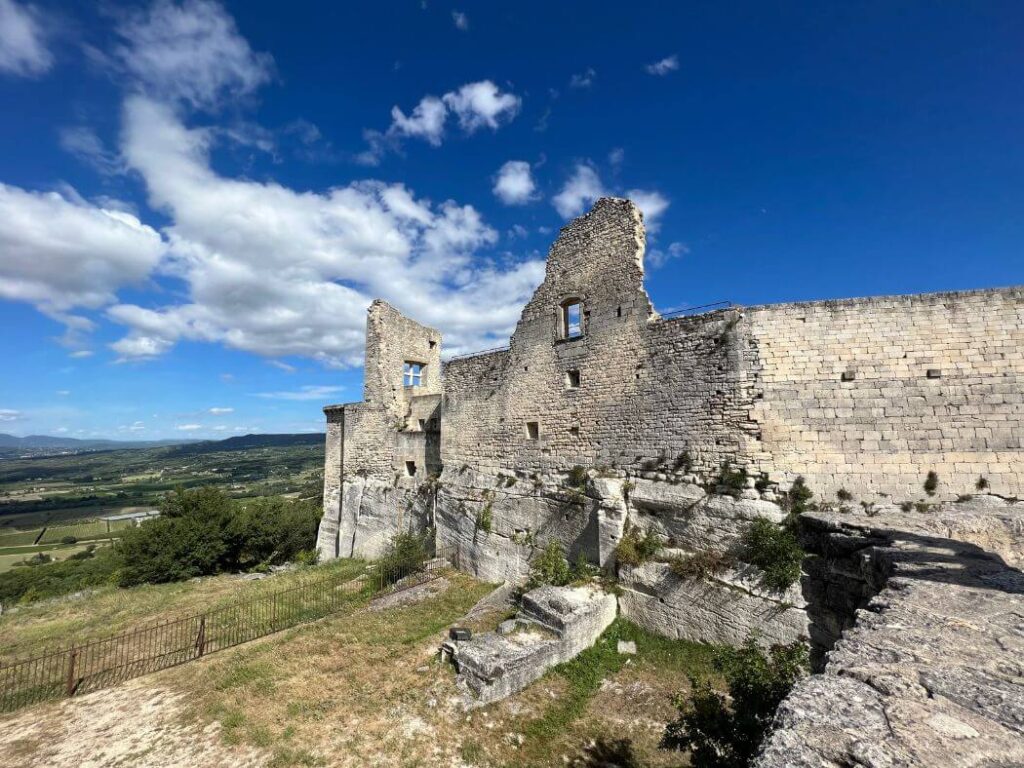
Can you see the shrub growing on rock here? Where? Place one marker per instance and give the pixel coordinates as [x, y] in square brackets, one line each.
[701, 564]
[721, 733]
[637, 547]
[775, 550]
[550, 567]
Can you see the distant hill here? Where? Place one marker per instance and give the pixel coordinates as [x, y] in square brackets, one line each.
[48, 442]
[248, 442]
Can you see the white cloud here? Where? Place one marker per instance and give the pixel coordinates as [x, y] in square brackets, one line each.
[82, 353]
[658, 258]
[278, 272]
[580, 191]
[460, 20]
[220, 411]
[309, 392]
[663, 67]
[23, 50]
[583, 79]
[188, 427]
[189, 52]
[137, 426]
[514, 184]
[426, 121]
[7, 414]
[482, 104]
[63, 254]
[82, 142]
[63, 392]
[652, 204]
[616, 156]
[282, 366]
[476, 105]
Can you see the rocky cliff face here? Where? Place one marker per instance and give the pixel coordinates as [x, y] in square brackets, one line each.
[929, 670]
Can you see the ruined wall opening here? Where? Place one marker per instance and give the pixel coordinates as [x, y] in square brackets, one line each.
[570, 324]
[572, 379]
[533, 430]
[410, 468]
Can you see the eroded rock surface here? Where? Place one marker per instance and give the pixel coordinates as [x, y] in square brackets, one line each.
[553, 626]
[932, 672]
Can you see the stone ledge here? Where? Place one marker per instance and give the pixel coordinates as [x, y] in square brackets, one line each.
[930, 674]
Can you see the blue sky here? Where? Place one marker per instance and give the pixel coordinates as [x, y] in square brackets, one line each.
[199, 200]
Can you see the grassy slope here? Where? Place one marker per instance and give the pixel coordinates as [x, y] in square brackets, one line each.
[110, 610]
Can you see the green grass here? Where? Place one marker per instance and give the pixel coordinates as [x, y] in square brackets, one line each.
[95, 529]
[585, 673]
[19, 538]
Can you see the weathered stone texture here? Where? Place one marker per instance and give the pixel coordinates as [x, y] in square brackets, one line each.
[930, 673]
[937, 384]
[553, 626]
[723, 608]
[369, 492]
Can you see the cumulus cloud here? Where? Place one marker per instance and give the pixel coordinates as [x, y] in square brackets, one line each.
[309, 392]
[61, 253]
[652, 204]
[220, 411]
[188, 427]
[584, 187]
[482, 104]
[23, 50]
[664, 66]
[514, 183]
[189, 52]
[8, 414]
[475, 106]
[581, 189]
[460, 20]
[278, 272]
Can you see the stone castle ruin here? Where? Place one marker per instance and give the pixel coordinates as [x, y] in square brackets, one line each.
[903, 414]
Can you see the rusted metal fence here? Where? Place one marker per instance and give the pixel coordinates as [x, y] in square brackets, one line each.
[90, 666]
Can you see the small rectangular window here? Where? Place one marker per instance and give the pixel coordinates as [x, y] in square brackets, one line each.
[934, 373]
[410, 468]
[572, 320]
[413, 374]
[572, 379]
[848, 375]
[423, 424]
[533, 430]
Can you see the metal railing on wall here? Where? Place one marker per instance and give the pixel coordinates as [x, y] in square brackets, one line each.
[90, 666]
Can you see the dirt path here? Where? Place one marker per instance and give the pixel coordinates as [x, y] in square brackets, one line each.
[134, 724]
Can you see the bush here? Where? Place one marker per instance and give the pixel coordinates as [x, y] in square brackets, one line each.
[636, 547]
[549, 567]
[982, 484]
[844, 495]
[799, 496]
[733, 480]
[405, 554]
[775, 550]
[69, 540]
[72, 575]
[202, 532]
[931, 483]
[701, 564]
[720, 736]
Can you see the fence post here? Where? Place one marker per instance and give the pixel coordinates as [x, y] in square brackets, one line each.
[70, 682]
[201, 639]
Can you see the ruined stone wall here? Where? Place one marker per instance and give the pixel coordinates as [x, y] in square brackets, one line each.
[649, 391]
[872, 394]
[381, 453]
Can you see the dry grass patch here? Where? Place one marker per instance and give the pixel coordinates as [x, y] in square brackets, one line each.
[110, 610]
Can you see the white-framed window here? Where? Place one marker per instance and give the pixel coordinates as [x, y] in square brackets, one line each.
[412, 374]
[571, 320]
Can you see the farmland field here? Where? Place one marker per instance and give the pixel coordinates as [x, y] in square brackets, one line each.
[53, 504]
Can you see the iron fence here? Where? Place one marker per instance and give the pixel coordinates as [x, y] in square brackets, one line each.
[89, 666]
